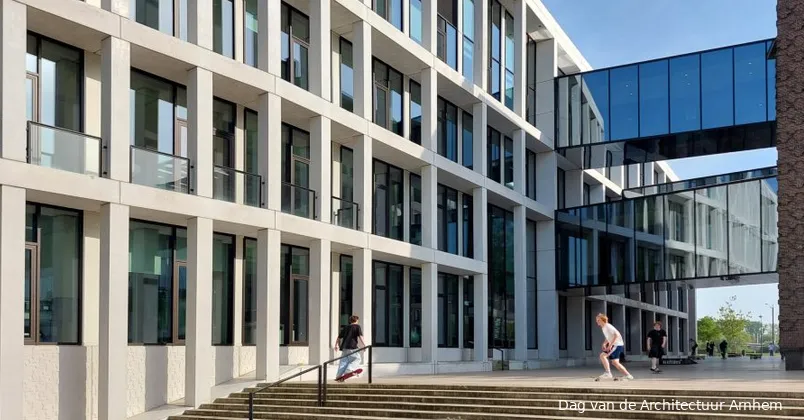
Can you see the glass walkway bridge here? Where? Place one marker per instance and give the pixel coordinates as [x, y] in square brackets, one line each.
[708, 232]
[708, 102]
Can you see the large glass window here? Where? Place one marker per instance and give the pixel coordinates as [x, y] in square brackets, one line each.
[468, 227]
[345, 290]
[415, 209]
[468, 313]
[447, 310]
[295, 278]
[347, 75]
[390, 10]
[158, 114]
[297, 198]
[530, 92]
[653, 98]
[501, 277]
[467, 152]
[416, 20]
[415, 112]
[533, 330]
[223, 27]
[530, 174]
[494, 147]
[561, 186]
[250, 32]
[749, 84]
[447, 130]
[447, 45]
[388, 201]
[509, 162]
[495, 47]
[387, 304]
[415, 307]
[53, 269]
[562, 322]
[510, 59]
[717, 89]
[388, 97]
[54, 85]
[624, 106]
[587, 325]
[157, 289]
[222, 289]
[468, 39]
[447, 219]
[168, 16]
[249, 291]
[685, 92]
[295, 46]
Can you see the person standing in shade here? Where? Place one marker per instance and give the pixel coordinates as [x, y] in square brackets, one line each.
[723, 346]
[347, 341]
[613, 347]
[657, 342]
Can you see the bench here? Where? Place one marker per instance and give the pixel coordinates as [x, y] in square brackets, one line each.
[754, 356]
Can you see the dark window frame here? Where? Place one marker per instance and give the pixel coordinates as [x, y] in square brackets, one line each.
[249, 290]
[223, 27]
[468, 312]
[385, 85]
[400, 292]
[388, 200]
[229, 339]
[447, 109]
[414, 226]
[289, 305]
[448, 295]
[341, 43]
[443, 199]
[415, 134]
[468, 226]
[288, 12]
[415, 306]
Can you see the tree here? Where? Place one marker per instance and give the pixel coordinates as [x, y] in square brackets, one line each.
[754, 329]
[708, 330]
[732, 325]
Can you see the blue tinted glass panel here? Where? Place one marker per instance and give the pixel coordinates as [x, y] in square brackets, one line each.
[452, 46]
[685, 101]
[468, 140]
[749, 84]
[469, 19]
[396, 13]
[717, 85]
[771, 90]
[509, 89]
[495, 79]
[654, 102]
[624, 120]
[596, 95]
[416, 20]
[468, 59]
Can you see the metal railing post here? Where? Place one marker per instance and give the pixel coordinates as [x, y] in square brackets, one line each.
[324, 386]
[251, 405]
[369, 363]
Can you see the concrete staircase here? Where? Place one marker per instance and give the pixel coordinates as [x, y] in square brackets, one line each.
[298, 401]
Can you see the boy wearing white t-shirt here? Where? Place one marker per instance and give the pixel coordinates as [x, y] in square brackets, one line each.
[613, 347]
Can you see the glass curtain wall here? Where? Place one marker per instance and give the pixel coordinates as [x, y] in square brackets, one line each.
[391, 10]
[223, 123]
[416, 20]
[297, 198]
[447, 22]
[294, 291]
[447, 310]
[250, 32]
[295, 46]
[468, 39]
[509, 162]
[415, 307]
[468, 142]
[53, 274]
[447, 214]
[347, 75]
[168, 16]
[501, 277]
[530, 90]
[345, 290]
[447, 129]
[251, 162]
[415, 209]
[494, 147]
[249, 291]
[468, 242]
[388, 93]
[223, 27]
[468, 312]
[158, 114]
[222, 289]
[388, 201]
[415, 112]
[495, 47]
[530, 174]
[387, 301]
[510, 59]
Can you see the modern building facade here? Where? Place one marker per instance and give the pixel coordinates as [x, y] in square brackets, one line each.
[196, 190]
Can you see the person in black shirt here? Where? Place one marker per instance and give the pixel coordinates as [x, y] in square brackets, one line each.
[348, 339]
[657, 341]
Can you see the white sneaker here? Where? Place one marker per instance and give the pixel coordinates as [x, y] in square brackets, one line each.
[626, 378]
[604, 377]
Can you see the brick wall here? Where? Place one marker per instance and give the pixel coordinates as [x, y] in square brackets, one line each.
[790, 143]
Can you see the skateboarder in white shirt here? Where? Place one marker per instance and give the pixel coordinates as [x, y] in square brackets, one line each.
[613, 347]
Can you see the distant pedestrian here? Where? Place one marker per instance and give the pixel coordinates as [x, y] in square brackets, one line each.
[723, 346]
[693, 347]
[613, 346]
[657, 341]
[347, 341]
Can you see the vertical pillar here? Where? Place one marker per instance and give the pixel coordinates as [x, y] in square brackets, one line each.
[13, 43]
[199, 129]
[692, 314]
[237, 290]
[406, 206]
[480, 223]
[481, 289]
[430, 312]
[573, 185]
[430, 109]
[113, 349]
[429, 19]
[598, 307]
[239, 24]
[12, 271]
[520, 284]
[634, 347]
[198, 345]
[361, 290]
[546, 296]
[480, 137]
[520, 52]
[546, 164]
[321, 168]
[519, 159]
[335, 298]
[576, 327]
[320, 22]
[363, 179]
[199, 23]
[318, 309]
[481, 51]
[361, 54]
[115, 107]
[268, 273]
[429, 207]
[269, 39]
[240, 154]
[270, 148]
[546, 61]
[121, 7]
[335, 69]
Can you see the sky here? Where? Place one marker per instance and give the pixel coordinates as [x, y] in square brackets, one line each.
[615, 32]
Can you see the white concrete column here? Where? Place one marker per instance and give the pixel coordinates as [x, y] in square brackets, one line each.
[121, 7]
[480, 222]
[547, 299]
[12, 273]
[240, 152]
[406, 19]
[335, 69]
[13, 36]
[429, 23]
[113, 316]
[363, 181]
[268, 272]
[362, 275]
[430, 109]
[481, 72]
[576, 327]
[199, 23]
[430, 312]
[546, 60]
[481, 290]
[520, 284]
[429, 207]
[546, 181]
[199, 129]
[115, 107]
[320, 55]
[270, 149]
[520, 142]
[480, 136]
[321, 167]
[406, 206]
[361, 54]
[269, 37]
[198, 345]
[239, 23]
[573, 184]
[320, 272]
[520, 53]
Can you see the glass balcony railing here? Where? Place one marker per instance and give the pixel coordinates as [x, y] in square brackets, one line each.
[64, 149]
[298, 200]
[160, 170]
[345, 213]
[689, 184]
[231, 185]
[721, 231]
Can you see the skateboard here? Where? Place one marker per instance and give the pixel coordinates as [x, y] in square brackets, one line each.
[349, 375]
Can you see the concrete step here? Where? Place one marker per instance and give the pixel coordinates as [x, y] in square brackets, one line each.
[302, 416]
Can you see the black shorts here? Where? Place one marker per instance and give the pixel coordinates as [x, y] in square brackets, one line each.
[656, 352]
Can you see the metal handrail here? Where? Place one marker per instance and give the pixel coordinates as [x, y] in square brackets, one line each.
[261, 183]
[323, 391]
[157, 152]
[354, 205]
[63, 129]
[280, 382]
[101, 169]
[308, 190]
